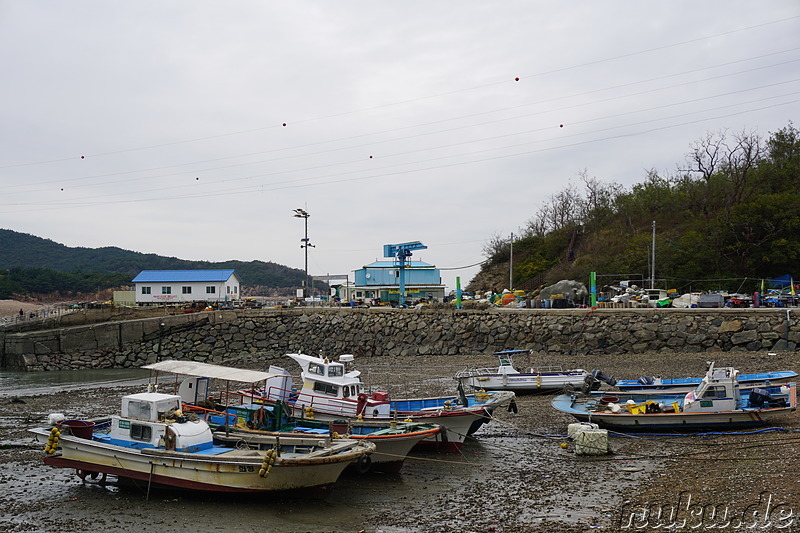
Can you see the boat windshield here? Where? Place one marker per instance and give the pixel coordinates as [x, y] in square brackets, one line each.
[336, 371]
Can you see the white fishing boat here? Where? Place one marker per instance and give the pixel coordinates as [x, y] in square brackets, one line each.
[505, 377]
[716, 402]
[330, 391]
[154, 443]
[248, 422]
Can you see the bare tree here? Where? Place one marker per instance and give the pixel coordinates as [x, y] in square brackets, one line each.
[497, 247]
[705, 155]
[740, 158]
[599, 196]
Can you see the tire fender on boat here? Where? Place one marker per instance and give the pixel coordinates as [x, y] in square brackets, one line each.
[363, 464]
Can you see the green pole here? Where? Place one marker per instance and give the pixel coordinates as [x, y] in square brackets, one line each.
[458, 292]
[593, 283]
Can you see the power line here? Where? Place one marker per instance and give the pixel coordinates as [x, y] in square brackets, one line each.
[403, 102]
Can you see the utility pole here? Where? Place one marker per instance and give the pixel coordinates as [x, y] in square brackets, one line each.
[302, 213]
[653, 259]
[511, 264]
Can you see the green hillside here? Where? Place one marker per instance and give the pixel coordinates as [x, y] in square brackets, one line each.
[33, 265]
[727, 219]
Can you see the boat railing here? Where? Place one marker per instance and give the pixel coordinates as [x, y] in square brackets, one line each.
[546, 369]
[470, 372]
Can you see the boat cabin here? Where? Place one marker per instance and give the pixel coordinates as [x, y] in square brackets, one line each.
[505, 359]
[154, 420]
[329, 386]
[718, 391]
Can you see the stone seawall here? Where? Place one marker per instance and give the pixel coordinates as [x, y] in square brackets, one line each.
[242, 337]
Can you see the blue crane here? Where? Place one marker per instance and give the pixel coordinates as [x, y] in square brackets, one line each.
[401, 252]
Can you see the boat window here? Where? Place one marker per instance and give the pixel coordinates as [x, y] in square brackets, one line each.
[326, 388]
[315, 368]
[715, 392]
[346, 391]
[336, 371]
[141, 432]
[139, 410]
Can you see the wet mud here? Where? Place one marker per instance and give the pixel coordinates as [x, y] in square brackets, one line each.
[514, 476]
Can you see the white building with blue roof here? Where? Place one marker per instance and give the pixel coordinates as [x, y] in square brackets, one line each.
[181, 286]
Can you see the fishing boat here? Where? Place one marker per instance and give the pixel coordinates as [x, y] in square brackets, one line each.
[330, 391]
[646, 384]
[393, 441]
[154, 443]
[507, 378]
[716, 402]
[239, 422]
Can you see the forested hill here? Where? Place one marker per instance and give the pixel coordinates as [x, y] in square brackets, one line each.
[30, 264]
[728, 217]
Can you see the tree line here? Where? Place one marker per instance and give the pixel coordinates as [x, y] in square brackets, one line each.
[730, 211]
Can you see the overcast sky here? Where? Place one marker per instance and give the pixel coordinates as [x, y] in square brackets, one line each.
[194, 128]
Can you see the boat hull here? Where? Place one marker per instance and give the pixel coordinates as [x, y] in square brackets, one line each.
[456, 425]
[522, 383]
[391, 450]
[231, 471]
[584, 410]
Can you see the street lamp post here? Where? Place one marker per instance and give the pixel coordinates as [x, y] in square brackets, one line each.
[306, 244]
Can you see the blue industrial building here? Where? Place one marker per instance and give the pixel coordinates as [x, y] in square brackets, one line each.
[380, 282]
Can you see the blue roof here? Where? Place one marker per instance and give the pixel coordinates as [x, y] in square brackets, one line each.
[173, 276]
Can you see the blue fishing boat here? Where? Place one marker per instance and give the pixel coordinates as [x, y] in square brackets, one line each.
[646, 384]
[716, 402]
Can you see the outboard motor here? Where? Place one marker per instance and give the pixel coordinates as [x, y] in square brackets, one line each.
[598, 375]
[589, 383]
[758, 397]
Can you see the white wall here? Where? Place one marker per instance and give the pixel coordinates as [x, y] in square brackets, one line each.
[228, 290]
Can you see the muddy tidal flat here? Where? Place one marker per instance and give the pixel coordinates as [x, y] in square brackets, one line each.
[514, 476]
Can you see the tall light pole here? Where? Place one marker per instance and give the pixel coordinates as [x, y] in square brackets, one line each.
[302, 213]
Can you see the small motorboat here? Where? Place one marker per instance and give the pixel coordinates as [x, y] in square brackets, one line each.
[507, 378]
[153, 442]
[716, 402]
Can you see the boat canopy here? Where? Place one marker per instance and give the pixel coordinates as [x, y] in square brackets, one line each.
[205, 370]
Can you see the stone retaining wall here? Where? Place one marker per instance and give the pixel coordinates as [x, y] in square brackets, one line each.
[241, 337]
